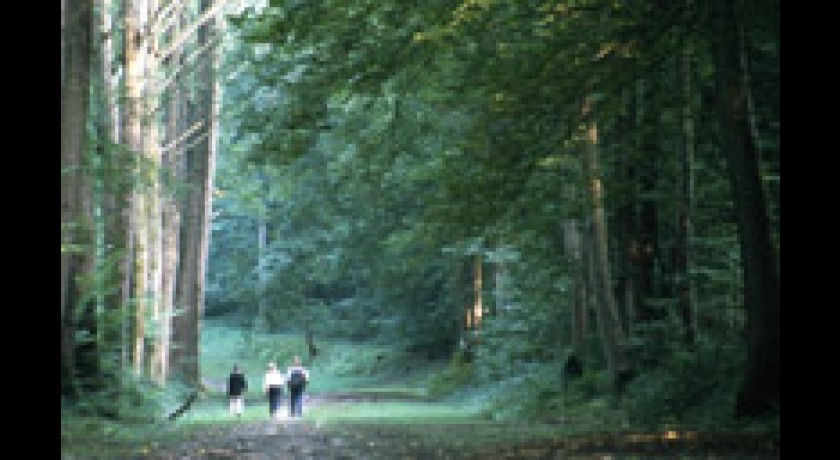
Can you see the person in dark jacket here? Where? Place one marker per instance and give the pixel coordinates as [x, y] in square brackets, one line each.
[237, 385]
[297, 377]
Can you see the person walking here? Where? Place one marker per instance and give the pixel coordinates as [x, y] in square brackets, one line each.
[273, 387]
[297, 377]
[237, 385]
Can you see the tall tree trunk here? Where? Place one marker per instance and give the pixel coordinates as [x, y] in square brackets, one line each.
[135, 51]
[478, 291]
[469, 311]
[184, 357]
[685, 287]
[76, 215]
[612, 336]
[647, 244]
[574, 249]
[128, 130]
[501, 287]
[310, 341]
[113, 198]
[592, 297]
[625, 210]
[181, 113]
[132, 130]
[140, 274]
[213, 86]
[460, 300]
[171, 213]
[152, 152]
[182, 323]
[171, 222]
[759, 392]
[260, 321]
[200, 163]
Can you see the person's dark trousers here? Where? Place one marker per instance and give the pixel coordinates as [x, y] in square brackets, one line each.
[275, 393]
[296, 402]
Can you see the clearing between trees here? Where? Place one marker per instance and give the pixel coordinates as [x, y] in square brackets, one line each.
[355, 410]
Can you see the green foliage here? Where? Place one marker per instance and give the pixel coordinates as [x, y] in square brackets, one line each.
[687, 388]
[531, 394]
[590, 385]
[455, 376]
[128, 401]
[403, 139]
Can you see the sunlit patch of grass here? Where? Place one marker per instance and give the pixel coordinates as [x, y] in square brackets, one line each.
[215, 409]
[339, 366]
[391, 412]
[222, 346]
[394, 391]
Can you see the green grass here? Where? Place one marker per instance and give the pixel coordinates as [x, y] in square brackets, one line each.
[339, 366]
[371, 391]
[392, 412]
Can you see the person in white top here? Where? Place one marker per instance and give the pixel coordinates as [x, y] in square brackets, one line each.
[273, 386]
[297, 377]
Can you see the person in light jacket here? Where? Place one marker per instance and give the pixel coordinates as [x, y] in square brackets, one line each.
[273, 387]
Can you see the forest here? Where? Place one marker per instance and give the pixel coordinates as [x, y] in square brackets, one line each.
[489, 228]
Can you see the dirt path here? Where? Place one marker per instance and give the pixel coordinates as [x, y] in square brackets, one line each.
[294, 439]
[306, 439]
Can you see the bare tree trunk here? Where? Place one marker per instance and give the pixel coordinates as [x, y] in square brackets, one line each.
[478, 294]
[113, 199]
[181, 360]
[171, 221]
[128, 130]
[573, 245]
[171, 215]
[140, 285]
[501, 287]
[152, 154]
[212, 108]
[685, 288]
[180, 146]
[134, 69]
[592, 299]
[76, 222]
[460, 301]
[760, 390]
[612, 336]
[310, 342]
[260, 322]
[647, 241]
[195, 233]
[183, 325]
[626, 199]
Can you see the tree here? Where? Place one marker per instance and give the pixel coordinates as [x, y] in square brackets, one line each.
[682, 251]
[121, 185]
[759, 393]
[606, 308]
[198, 169]
[78, 358]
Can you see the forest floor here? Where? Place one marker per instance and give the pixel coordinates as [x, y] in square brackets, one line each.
[361, 406]
[358, 439]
